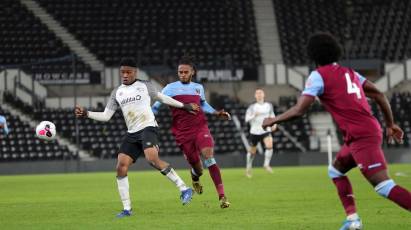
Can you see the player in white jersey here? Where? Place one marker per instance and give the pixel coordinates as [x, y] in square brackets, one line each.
[255, 115]
[134, 97]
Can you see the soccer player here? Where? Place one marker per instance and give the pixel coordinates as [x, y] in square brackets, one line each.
[191, 130]
[255, 115]
[134, 98]
[343, 93]
[3, 125]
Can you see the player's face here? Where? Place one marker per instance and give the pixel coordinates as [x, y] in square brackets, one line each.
[128, 74]
[259, 95]
[185, 73]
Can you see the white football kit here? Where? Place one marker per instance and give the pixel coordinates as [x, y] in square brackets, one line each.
[255, 115]
[135, 102]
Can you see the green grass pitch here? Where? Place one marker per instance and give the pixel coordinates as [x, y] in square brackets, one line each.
[290, 198]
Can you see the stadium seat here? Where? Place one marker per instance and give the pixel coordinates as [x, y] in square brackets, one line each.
[159, 32]
[367, 29]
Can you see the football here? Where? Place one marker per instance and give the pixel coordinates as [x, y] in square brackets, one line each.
[46, 130]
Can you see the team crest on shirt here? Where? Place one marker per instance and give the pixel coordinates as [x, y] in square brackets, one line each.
[120, 93]
[198, 91]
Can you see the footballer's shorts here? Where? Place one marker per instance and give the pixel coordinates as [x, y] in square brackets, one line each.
[255, 139]
[191, 145]
[366, 153]
[134, 144]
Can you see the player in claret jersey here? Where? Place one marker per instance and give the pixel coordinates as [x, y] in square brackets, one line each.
[343, 93]
[191, 130]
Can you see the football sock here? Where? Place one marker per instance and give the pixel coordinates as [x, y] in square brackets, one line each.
[250, 158]
[173, 177]
[194, 175]
[345, 193]
[123, 190]
[353, 217]
[400, 196]
[268, 154]
[215, 174]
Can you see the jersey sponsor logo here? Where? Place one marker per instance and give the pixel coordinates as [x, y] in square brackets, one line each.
[130, 99]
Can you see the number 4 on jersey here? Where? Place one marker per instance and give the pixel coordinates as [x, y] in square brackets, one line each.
[352, 87]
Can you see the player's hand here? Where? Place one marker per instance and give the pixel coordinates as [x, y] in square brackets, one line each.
[223, 114]
[80, 112]
[267, 122]
[191, 108]
[274, 128]
[395, 134]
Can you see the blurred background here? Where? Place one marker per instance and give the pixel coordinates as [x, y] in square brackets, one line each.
[56, 54]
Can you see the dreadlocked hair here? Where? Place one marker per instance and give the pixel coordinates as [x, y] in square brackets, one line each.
[186, 59]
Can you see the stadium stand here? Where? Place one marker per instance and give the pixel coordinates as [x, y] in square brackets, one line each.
[26, 40]
[218, 33]
[22, 145]
[400, 105]
[296, 20]
[298, 128]
[368, 29]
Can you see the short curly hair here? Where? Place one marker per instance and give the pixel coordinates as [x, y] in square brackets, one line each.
[323, 48]
[128, 61]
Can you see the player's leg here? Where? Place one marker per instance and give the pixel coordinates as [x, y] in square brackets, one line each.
[387, 188]
[369, 154]
[192, 155]
[123, 163]
[254, 139]
[205, 143]
[215, 174]
[149, 142]
[268, 143]
[196, 171]
[151, 154]
[341, 165]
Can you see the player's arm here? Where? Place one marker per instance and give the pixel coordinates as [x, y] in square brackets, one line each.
[98, 116]
[207, 108]
[303, 103]
[165, 98]
[394, 132]
[156, 107]
[250, 114]
[272, 114]
[191, 107]
[313, 87]
[104, 116]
